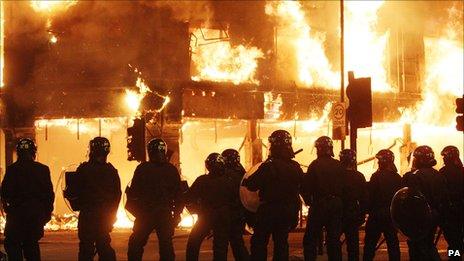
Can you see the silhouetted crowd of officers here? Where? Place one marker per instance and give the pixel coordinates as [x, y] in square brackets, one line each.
[338, 196]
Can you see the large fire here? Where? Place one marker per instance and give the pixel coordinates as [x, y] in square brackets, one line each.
[214, 58]
[365, 50]
[444, 79]
[295, 38]
[133, 98]
[50, 6]
[219, 61]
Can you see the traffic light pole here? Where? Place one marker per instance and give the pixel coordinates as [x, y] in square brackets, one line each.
[342, 60]
[353, 136]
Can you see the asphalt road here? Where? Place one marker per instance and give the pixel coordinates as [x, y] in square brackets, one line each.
[63, 246]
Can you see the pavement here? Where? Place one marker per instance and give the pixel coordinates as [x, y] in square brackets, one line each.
[63, 246]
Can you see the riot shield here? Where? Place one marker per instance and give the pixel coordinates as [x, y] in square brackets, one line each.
[250, 199]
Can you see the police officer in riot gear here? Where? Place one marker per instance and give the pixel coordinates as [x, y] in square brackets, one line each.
[354, 202]
[427, 181]
[323, 191]
[153, 198]
[235, 171]
[212, 197]
[27, 198]
[453, 218]
[382, 187]
[278, 180]
[99, 191]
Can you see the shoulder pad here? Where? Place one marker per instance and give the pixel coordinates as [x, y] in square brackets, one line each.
[111, 166]
[83, 165]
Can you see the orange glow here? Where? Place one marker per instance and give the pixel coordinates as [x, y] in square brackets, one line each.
[296, 39]
[219, 61]
[365, 50]
[123, 220]
[134, 98]
[444, 79]
[51, 5]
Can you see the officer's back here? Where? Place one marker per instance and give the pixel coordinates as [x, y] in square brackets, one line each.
[325, 178]
[155, 183]
[27, 198]
[382, 186]
[277, 179]
[426, 179]
[99, 184]
[26, 186]
[212, 191]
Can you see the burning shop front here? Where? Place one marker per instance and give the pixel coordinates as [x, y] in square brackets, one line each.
[207, 76]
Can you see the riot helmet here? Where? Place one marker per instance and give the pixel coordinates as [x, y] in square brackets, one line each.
[324, 146]
[231, 157]
[423, 157]
[157, 149]
[99, 147]
[386, 160]
[348, 158]
[215, 163]
[280, 138]
[26, 148]
[451, 156]
[281, 144]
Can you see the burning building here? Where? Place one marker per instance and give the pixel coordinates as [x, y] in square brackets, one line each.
[211, 75]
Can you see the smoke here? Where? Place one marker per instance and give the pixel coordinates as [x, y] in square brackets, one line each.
[191, 11]
[96, 40]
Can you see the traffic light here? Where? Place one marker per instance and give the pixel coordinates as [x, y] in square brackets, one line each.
[460, 111]
[360, 95]
[136, 141]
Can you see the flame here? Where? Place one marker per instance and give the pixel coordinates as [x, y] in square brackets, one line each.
[84, 125]
[444, 78]
[53, 39]
[134, 98]
[50, 6]
[364, 49]
[188, 220]
[272, 105]
[295, 37]
[123, 220]
[219, 61]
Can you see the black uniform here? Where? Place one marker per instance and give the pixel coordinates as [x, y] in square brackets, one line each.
[238, 216]
[154, 191]
[453, 218]
[99, 192]
[212, 197]
[323, 191]
[382, 187]
[27, 197]
[429, 182]
[354, 210]
[278, 181]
